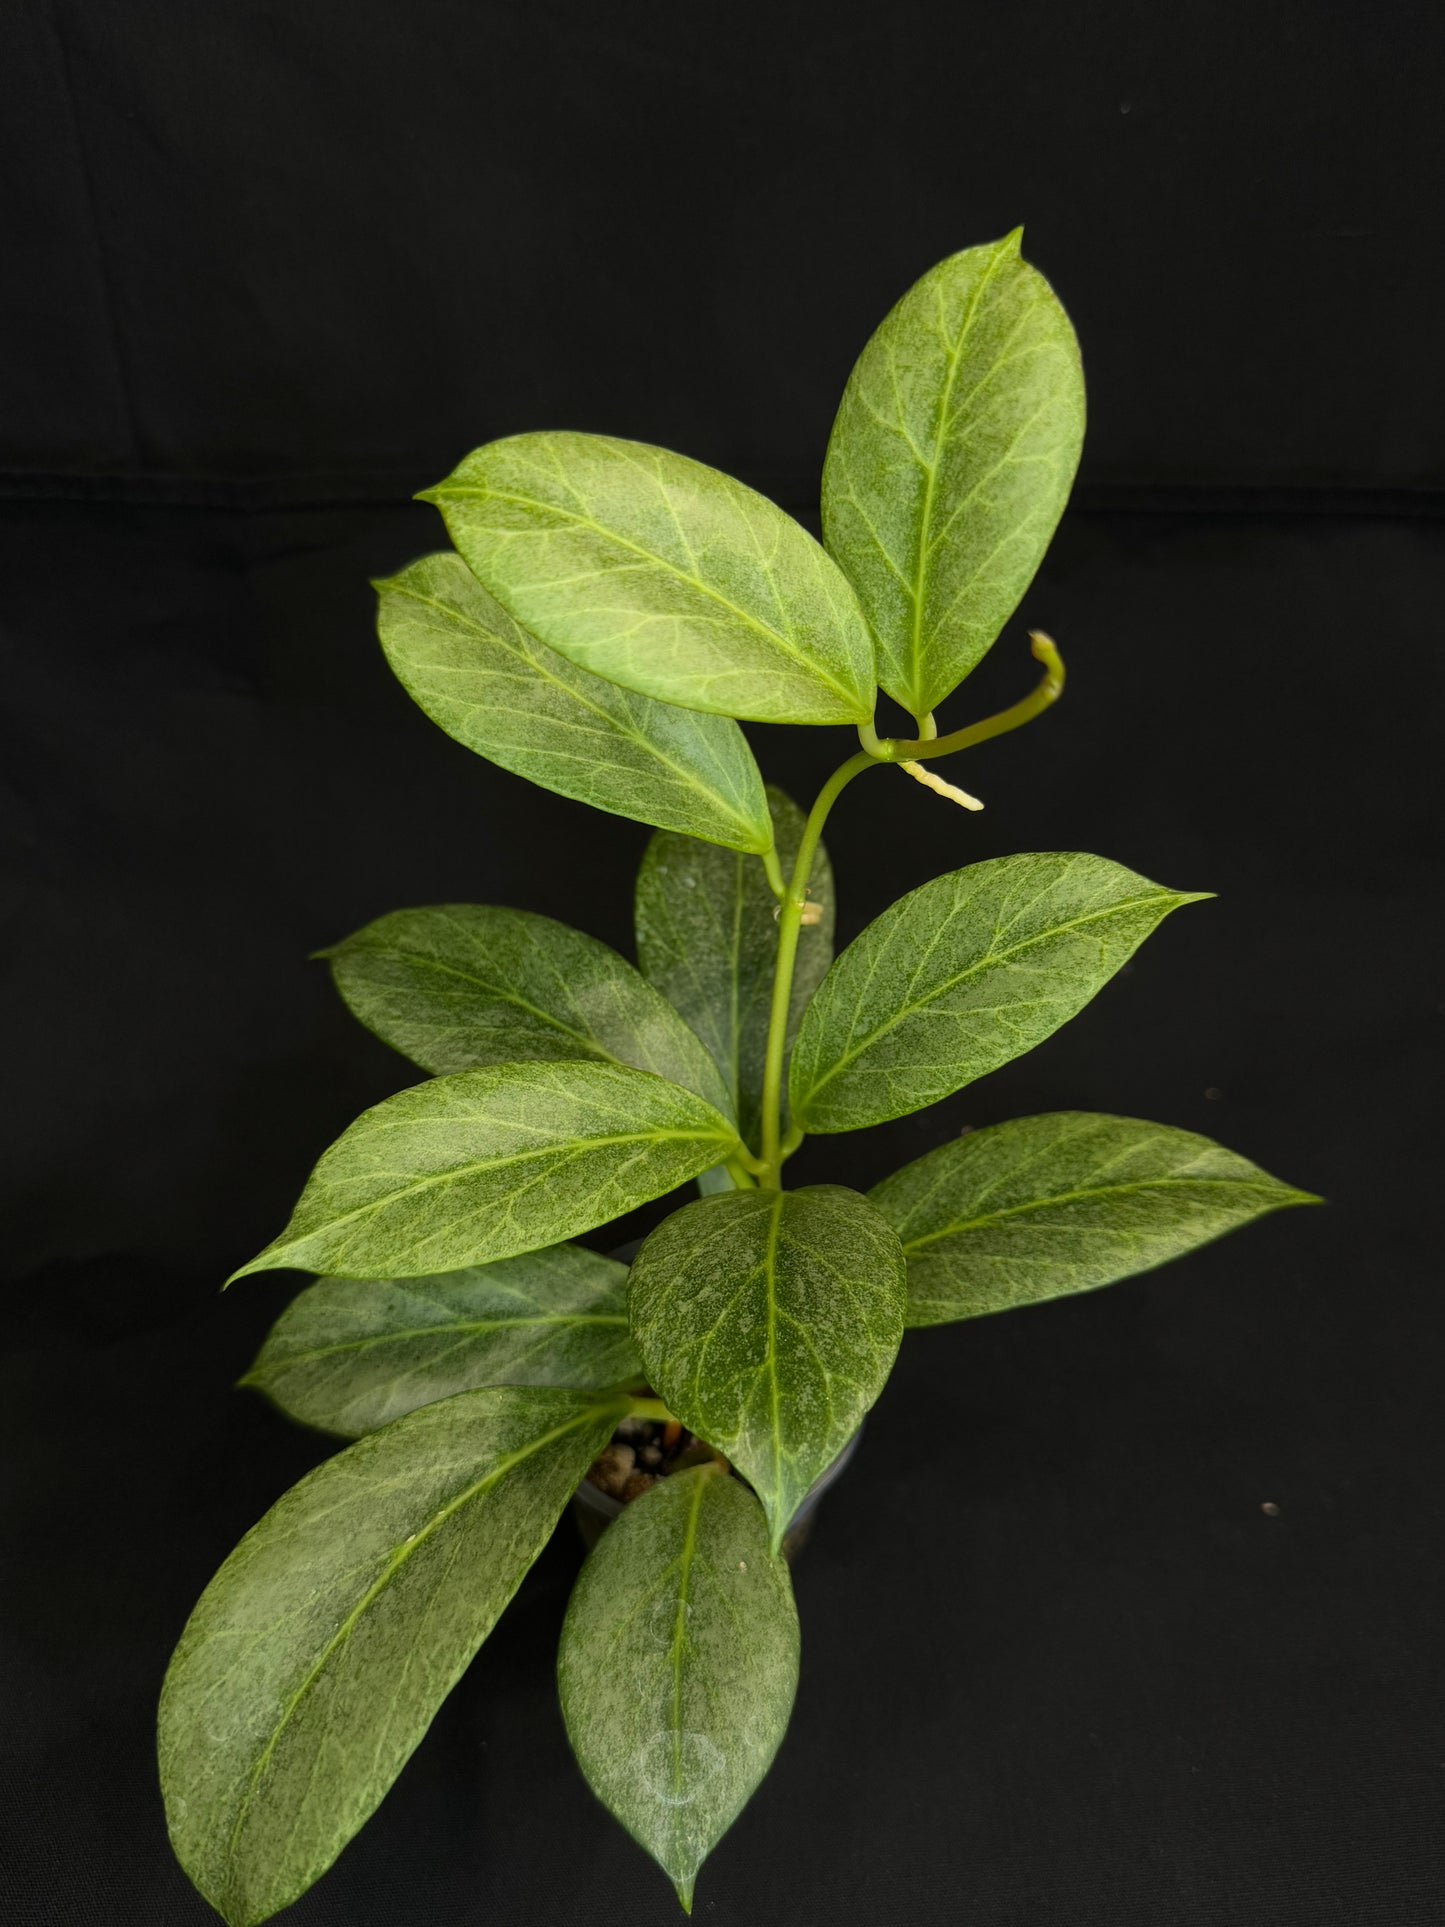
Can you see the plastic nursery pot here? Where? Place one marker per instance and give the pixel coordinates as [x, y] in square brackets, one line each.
[594, 1510]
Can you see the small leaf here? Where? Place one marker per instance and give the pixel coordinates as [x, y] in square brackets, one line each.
[769, 1321]
[950, 463]
[488, 1163]
[1044, 1206]
[962, 975]
[678, 1665]
[462, 659]
[663, 575]
[707, 937]
[350, 1355]
[461, 985]
[321, 1650]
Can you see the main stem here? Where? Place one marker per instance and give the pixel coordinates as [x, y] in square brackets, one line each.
[790, 922]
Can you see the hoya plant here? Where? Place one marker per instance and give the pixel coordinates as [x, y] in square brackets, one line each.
[607, 615]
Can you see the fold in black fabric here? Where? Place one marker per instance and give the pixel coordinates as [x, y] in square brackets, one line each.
[288, 245]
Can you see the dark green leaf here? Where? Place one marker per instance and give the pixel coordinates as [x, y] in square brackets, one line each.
[707, 937]
[769, 1321]
[962, 975]
[663, 575]
[464, 984]
[460, 656]
[488, 1163]
[320, 1651]
[678, 1665]
[351, 1354]
[1043, 1206]
[951, 461]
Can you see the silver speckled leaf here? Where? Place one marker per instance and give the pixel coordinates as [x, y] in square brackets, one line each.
[487, 1163]
[663, 575]
[950, 463]
[1043, 1206]
[477, 673]
[351, 1354]
[318, 1655]
[769, 1322]
[707, 937]
[458, 985]
[960, 976]
[678, 1665]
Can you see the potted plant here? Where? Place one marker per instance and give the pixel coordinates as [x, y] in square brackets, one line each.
[610, 611]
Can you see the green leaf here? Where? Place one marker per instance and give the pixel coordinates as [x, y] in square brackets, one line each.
[950, 463]
[707, 937]
[663, 575]
[496, 689]
[321, 1650]
[678, 1665]
[1044, 1206]
[350, 1354]
[961, 975]
[464, 984]
[769, 1321]
[488, 1163]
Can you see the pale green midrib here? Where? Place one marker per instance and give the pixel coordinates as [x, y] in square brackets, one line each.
[680, 770]
[1268, 1188]
[814, 669]
[679, 1627]
[462, 1171]
[396, 1559]
[992, 960]
[921, 570]
[265, 1368]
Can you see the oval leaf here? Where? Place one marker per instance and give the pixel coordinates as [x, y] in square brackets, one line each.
[493, 687]
[707, 937]
[950, 463]
[461, 985]
[1044, 1206]
[663, 575]
[678, 1665]
[961, 975]
[769, 1322]
[321, 1650]
[350, 1354]
[488, 1163]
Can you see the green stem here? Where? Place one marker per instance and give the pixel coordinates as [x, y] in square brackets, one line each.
[744, 1176]
[774, 868]
[790, 919]
[649, 1408]
[892, 749]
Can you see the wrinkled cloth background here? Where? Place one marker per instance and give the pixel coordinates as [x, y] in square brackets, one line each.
[268, 269]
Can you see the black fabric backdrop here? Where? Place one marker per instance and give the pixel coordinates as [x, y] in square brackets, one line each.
[269, 268]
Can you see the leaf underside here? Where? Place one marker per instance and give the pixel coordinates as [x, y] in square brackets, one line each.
[1043, 1206]
[501, 692]
[678, 1664]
